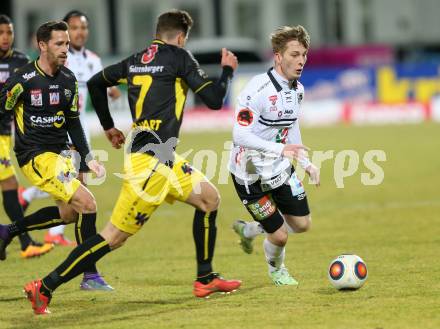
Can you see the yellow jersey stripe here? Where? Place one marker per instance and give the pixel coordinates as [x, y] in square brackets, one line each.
[202, 86]
[39, 69]
[181, 90]
[19, 116]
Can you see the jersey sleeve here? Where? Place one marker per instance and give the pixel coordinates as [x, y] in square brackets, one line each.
[294, 137]
[212, 93]
[189, 69]
[72, 111]
[294, 134]
[247, 112]
[115, 74]
[11, 93]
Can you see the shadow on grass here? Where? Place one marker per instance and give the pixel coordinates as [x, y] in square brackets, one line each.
[85, 313]
[12, 299]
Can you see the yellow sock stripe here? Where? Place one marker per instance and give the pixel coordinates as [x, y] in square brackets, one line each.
[78, 229]
[206, 221]
[42, 283]
[86, 253]
[52, 221]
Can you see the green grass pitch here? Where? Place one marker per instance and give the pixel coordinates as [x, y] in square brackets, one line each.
[394, 227]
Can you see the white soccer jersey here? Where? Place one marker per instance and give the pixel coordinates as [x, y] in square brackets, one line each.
[84, 64]
[266, 118]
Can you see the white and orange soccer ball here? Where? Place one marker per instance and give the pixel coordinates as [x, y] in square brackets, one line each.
[347, 272]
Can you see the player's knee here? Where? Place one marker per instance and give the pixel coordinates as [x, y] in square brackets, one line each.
[89, 206]
[304, 224]
[68, 215]
[279, 237]
[210, 202]
[116, 242]
[9, 183]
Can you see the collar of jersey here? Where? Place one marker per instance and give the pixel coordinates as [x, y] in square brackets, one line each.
[280, 82]
[40, 70]
[158, 41]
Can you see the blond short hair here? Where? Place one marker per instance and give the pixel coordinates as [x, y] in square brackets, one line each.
[281, 36]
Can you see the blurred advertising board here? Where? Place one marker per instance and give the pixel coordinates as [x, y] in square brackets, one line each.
[384, 84]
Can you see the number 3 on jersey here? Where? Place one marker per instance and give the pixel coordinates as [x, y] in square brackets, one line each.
[145, 82]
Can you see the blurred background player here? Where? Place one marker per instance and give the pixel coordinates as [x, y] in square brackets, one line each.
[266, 136]
[11, 60]
[84, 64]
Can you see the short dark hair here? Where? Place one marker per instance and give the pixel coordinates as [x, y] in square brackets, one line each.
[172, 22]
[44, 32]
[4, 19]
[74, 13]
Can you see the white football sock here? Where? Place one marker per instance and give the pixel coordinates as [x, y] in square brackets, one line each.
[274, 255]
[39, 194]
[57, 230]
[29, 193]
[252, 229]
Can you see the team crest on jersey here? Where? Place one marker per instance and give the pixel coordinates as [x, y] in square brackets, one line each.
[36, 97]
[68, 94]
[300, 97]
[54, 98]
[245, 117]
[273, 99]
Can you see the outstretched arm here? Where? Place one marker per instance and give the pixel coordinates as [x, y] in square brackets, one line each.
[211, 93]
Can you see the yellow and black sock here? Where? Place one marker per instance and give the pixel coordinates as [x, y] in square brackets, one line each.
[85, 228]
[204, 233]
[81, 258]
[39, 220]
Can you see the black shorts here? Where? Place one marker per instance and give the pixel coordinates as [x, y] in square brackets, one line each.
[289, 199]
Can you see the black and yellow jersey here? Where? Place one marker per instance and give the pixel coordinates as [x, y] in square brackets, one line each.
[41, 106]
[158, 79]
[9, 63]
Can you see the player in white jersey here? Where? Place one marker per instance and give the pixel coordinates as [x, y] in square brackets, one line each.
[266, 137]
[84, 64]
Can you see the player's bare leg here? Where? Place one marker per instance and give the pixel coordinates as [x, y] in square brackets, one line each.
[274, 250]
[298, 224]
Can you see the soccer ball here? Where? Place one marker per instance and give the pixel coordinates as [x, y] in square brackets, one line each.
[347, 272]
